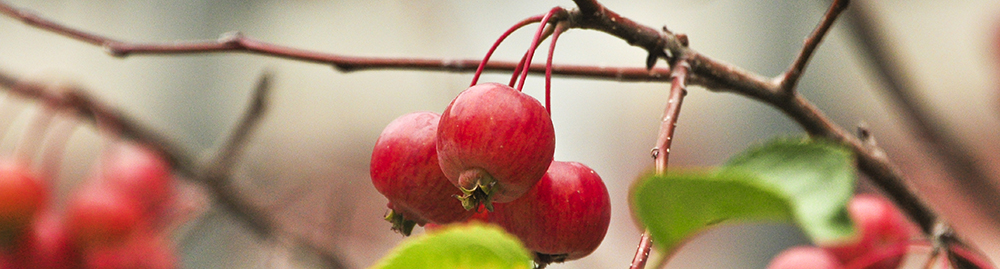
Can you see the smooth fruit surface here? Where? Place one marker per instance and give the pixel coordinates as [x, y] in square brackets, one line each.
[805, 257]
[880, 225]
[47, 244]
[564, 217]
[140, 173]
[99, 215]
[404, 168]
[494, 140]
[22, 195]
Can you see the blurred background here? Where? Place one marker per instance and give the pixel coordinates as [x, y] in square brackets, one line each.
[308, 161]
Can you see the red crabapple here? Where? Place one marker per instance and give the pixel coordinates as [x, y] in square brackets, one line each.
[494, 143]
[22, 196]
[880, 226]
[404, 168]
[140, 173]
[99, 215]
[47, 244]
[564, 217]
[805, 257]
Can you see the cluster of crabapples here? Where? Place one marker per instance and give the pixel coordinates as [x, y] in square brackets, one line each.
[492, 148]
[881, 241]
[111, 220]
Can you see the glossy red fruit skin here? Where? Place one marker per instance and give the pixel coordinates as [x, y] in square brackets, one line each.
[881, 226]
[142, 174]
[495, 131]
[404, 168]
[99, 215]
[565, 216]
[805, 257]
[22, 196]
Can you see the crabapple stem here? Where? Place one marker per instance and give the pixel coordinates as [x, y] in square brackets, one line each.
[560, 27]
[482, 65]
[32, 138]
[517, 70]
[534, 44]
[53, 152]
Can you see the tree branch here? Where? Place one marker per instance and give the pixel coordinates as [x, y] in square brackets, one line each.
[237, 42]
[661, 152]
[791, 77]
[217, 176]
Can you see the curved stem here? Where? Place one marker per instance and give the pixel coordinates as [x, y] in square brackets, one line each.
[560, 27]
[534, 44]
[482, 65]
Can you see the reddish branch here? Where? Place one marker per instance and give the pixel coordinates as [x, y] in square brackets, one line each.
[705, 71]
[791, 77]
[237, 42]
[661, 152]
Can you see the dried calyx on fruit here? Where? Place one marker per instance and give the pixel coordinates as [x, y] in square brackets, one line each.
[404, 168]
[494, 143]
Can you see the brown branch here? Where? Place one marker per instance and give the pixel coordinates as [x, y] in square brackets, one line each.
[678, 89]
[217, 175]
[791, 77]
[237, 42]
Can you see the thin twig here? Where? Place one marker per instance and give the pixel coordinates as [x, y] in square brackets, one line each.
[791, 77]
[678, 89]
[217, 175]
[237, 42]
[661, 153]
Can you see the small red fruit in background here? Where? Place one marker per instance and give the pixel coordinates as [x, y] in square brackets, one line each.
[47, 244]
[140, 173]
[100, 215]
[22, 196]
[494, 143]
[404, 168]
[881, 227]
[564, 217]
[144, 250]
[805, 257]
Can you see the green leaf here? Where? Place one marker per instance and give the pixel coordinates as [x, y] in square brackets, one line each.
[674, 207]
[460, 246]
[817, 176]
[799, 181]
